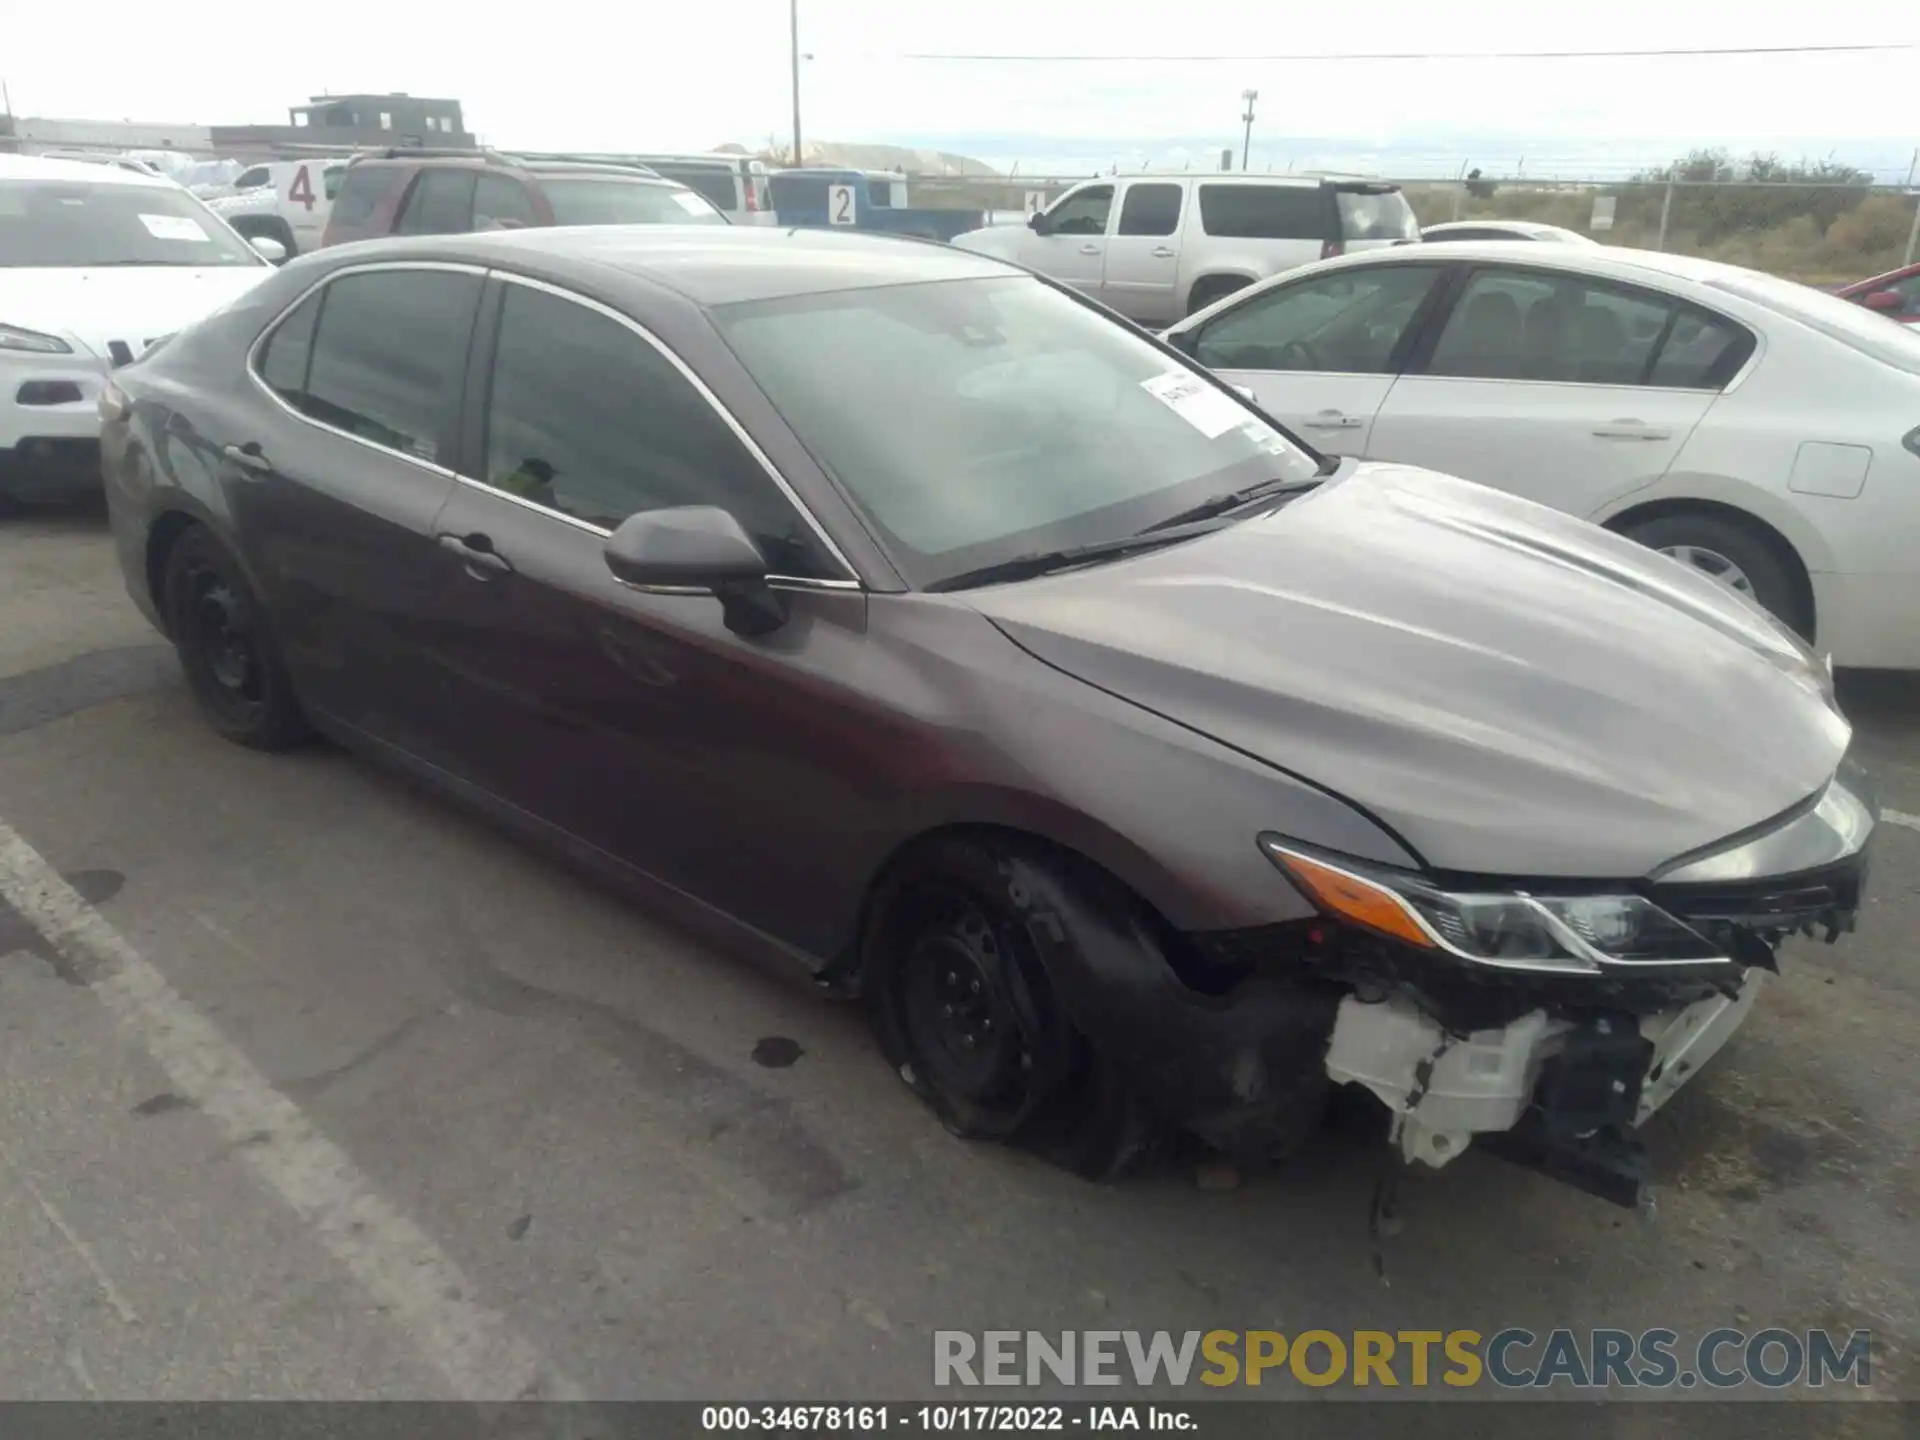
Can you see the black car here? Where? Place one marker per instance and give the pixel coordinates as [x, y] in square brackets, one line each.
[900, 614]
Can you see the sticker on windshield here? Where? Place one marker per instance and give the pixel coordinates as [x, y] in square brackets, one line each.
[690, 202]
[1196, 402]
[175, 227]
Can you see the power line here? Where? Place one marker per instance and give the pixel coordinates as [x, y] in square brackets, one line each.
[1406, 55]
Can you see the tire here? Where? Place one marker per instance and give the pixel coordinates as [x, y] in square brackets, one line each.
[231, 662]
[965, 1013]
[1715, 540]
[1213, 288]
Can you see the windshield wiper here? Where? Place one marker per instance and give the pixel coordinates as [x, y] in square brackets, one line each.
[1043, 562]
[1234, 500]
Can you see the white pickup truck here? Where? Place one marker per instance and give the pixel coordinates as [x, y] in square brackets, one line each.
[284, 200]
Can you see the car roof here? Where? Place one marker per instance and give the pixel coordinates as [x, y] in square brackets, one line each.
[1249, 177]
[1619, 261]
[38, 167]
[708, 264]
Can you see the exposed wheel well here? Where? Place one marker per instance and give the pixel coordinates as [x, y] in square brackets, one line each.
[1178, 949]
[1209, 288]
[1732, 514]
[161, 539]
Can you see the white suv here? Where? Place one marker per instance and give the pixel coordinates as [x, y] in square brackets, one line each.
[1159, 247]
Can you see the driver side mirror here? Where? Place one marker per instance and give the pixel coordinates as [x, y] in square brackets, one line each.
[1039, 223]
[1887, 302]
[698, 548]
[268, 249]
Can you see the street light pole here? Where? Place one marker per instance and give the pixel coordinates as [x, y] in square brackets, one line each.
[1246, 141]
[793, 16]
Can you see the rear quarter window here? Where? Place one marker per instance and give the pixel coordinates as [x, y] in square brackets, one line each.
[1264, 212]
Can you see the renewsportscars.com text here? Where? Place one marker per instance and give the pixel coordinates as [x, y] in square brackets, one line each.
[1513, 1358]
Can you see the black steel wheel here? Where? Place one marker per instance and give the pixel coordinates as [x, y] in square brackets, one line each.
[967, 1017]
[225, 648]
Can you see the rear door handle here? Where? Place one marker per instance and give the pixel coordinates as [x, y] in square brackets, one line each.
[248, 456]
[477, 554]
[1161, 252]
[1331, 420]
[1630, 430]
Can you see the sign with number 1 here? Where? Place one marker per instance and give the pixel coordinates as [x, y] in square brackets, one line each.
[840, 204]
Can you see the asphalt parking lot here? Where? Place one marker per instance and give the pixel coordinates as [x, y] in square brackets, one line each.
[378, 1103]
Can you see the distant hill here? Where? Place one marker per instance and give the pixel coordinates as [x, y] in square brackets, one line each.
[907, 159]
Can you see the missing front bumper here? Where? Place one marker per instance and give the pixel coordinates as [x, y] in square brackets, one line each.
[1560, 1095]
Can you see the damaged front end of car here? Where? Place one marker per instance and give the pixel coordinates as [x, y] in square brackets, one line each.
[1546, 1020]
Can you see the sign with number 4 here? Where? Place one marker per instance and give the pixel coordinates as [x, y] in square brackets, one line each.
[840, 204]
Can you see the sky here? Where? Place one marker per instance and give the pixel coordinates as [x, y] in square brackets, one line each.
[592, 75]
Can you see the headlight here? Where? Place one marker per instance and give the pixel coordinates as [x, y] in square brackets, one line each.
[1513, 930]
[12, 337]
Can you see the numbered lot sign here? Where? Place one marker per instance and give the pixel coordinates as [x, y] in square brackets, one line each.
[840, 203]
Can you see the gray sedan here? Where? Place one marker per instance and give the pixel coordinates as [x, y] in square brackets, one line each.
[903, 618]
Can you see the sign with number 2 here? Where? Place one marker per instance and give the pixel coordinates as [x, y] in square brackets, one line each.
[840, 204]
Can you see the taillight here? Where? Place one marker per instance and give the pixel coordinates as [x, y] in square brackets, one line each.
[753, 196]
[1331, 248]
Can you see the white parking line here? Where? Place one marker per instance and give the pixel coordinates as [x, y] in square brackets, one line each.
[474, 1348]
[1900, 817]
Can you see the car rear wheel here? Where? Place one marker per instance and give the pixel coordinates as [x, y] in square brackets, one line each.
[968, 1018]
[1733, 555]
[225, 648]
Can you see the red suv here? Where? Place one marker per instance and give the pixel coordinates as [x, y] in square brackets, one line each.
[425, 192]
[1895, 294]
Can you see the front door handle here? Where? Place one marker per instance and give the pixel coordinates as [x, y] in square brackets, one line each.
[248, 456]
[1161, 252]
[1089, 249]
[1331, 420]
[477, 554]
[1630, 430]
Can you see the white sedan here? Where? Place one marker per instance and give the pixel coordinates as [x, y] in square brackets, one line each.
[1505, 230]
[97, 263]
[1761, 431]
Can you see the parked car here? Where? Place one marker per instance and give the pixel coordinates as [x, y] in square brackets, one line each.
[286, 200]
[1759, 431]
[735, 184]
[1140, 767]
[1157, 247]
[1895, 294]
[450, 192]
[1504, 230]
[97, 263]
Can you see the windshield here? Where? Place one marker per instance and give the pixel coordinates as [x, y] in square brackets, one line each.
[608, 200]
[1365, 216]
[76, 224]
[1885, 340]
[973, 421]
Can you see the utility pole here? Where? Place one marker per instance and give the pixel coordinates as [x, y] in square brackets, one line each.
[793, 16]
[1246, 140]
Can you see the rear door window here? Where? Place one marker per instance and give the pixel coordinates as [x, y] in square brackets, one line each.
[440, 203]
[1150, 210]
[388, 354]
[1264, 212]
[501, 202]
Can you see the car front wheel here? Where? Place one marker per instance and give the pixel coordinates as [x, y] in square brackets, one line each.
[220, 632]
[967, 1016]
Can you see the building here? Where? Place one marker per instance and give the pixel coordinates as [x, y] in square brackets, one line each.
[352, 121]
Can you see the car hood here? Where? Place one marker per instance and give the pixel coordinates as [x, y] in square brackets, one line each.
[137, 304]
[995, 240]
[1512, 691]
